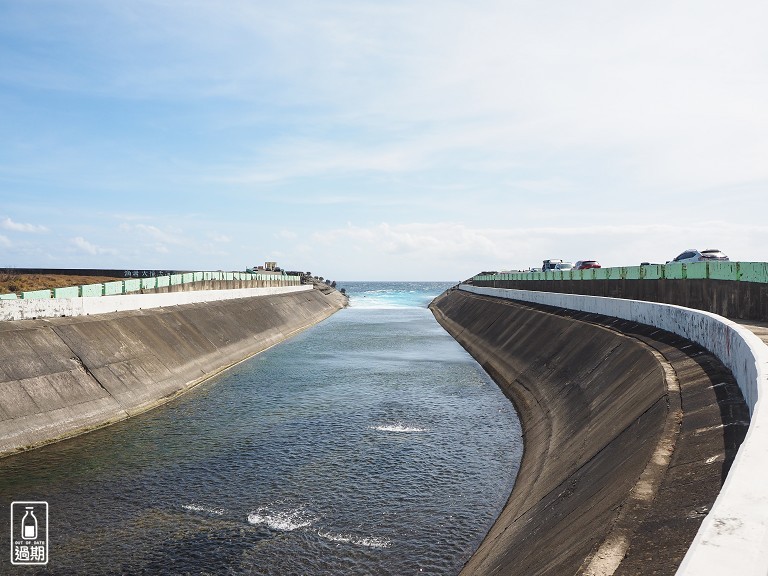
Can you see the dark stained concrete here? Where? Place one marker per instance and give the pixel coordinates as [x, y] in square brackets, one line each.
[63, 376]
[629, 432]
[728, 298]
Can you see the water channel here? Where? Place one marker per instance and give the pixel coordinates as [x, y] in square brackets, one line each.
[369, 444]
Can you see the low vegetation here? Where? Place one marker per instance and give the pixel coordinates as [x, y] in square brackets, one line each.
[12, 282]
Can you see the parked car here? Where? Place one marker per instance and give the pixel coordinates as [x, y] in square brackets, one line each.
[564, 266]
[693, 255]
[550, 264]
[586, 264]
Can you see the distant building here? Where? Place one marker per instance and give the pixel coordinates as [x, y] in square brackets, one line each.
[268, 268]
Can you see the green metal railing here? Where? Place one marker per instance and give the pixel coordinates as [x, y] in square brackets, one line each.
[133, 285]
[735, 271]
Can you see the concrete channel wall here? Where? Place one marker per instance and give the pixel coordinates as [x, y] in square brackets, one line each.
[64, 376]
[733, 538]
[85, 305]
[590, 402]
[730, 289]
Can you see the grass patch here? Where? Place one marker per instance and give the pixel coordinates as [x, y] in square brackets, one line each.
[12, 282]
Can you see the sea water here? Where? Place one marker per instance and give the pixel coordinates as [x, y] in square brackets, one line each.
[371, 443]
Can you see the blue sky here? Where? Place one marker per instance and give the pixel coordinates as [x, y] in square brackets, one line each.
[380, 140]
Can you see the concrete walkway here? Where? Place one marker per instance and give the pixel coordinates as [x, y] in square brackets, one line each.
[759, 328]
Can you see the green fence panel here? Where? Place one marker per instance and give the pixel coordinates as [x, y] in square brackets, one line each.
[754, 272]
[132, 285]
[113, 288]
[632, 272]
[176, 279]
[229, 276]
[724, 270]
[36, 295]
[187, 278]
[11, 296]
[198, 277]
[68, 292]
[674, 271]
[653, 271]
[697, 270]
[148, 283]
[163, 281]
[88, 290]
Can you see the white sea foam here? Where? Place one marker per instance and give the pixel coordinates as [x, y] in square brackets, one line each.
[282, 520]
[397, 428]
[365, 541]
[205, 509]
[377, 304]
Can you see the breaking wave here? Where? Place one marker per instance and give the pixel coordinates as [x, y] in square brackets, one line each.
[398, 428]
[205, 509]
[282, 520]
[365, 541]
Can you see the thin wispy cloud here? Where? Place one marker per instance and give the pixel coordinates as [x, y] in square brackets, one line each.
[85, 246]
[530, 128]
[9, 224]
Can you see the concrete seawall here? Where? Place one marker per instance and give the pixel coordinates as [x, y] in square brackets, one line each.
[616, 476]
[63, 376]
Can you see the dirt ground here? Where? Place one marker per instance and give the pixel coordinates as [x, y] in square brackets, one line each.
[10, 282]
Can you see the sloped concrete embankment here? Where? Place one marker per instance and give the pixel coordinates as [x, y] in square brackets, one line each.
[611, 480]
[591, 403]
[731, 538]
[63, 376]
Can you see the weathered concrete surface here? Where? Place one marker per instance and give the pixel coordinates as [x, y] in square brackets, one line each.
[156, 298]
[738, 300]
[625, 448]
[62, 376]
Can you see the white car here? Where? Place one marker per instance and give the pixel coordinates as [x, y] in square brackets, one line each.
[564, 266]
[693, 255]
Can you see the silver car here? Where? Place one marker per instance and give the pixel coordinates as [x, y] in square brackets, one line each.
[693, 255]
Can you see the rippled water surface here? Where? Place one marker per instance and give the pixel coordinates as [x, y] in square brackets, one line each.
[369, 444]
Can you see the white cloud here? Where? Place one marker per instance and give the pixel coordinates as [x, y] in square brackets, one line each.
[85, 246]
[158, 236]
[512, 131]
[452, 250]
[9, 224]
[4, 241]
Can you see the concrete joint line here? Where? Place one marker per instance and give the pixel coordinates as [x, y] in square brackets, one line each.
[607, 558]
[82, 366]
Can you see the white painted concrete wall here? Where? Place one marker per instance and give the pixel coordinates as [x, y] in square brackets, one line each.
[733, 539]
[55, 307]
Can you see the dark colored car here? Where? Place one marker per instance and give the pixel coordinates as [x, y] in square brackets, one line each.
[586, 264]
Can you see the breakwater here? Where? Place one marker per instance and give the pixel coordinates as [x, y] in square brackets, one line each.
[63, 376]
[629, 432]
